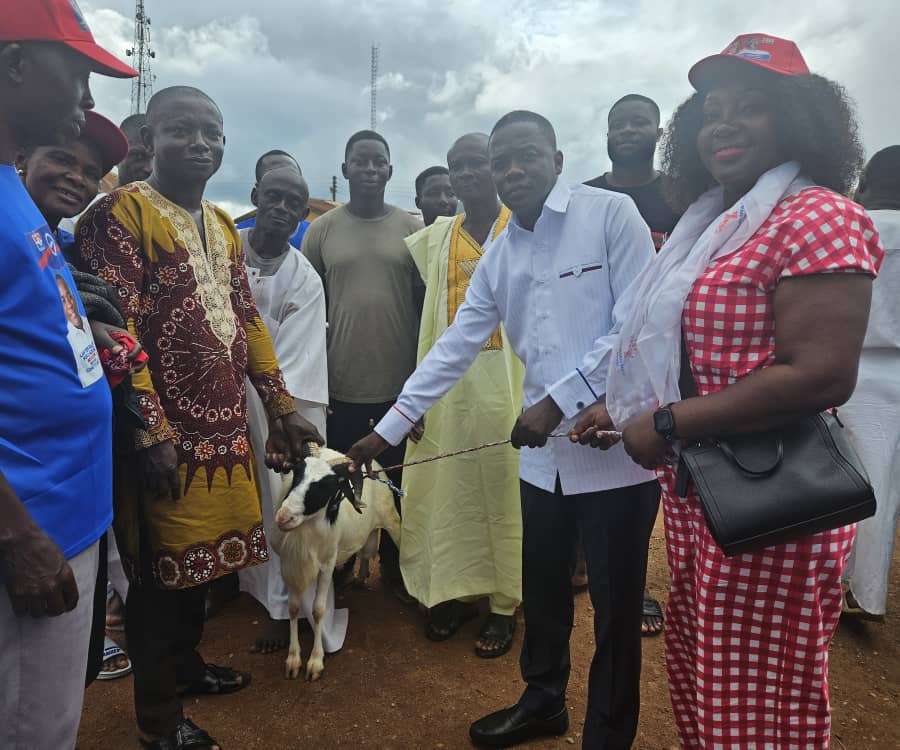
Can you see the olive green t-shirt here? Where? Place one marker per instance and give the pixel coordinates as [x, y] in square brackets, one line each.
[373, 291]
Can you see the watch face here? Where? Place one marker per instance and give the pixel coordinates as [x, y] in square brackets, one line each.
[663, 421]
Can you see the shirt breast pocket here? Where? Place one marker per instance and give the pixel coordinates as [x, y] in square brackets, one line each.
[578, 270]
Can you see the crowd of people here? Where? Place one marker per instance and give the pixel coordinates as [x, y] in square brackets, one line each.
[181, 362]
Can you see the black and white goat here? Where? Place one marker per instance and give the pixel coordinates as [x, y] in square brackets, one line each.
[317, 531]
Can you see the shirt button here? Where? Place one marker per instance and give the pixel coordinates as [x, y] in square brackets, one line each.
[580, 404]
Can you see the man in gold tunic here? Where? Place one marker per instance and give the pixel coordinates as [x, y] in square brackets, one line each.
[187, 507]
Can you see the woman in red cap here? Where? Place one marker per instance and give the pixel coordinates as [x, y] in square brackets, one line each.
[63, 179]
[759, 157]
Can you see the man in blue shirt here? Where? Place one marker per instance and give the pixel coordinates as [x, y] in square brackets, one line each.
[266, 163]
[55, 405]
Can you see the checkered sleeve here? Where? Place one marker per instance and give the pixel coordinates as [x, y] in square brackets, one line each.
[827, 233]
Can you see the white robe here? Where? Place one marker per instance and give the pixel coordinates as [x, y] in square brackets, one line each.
[291, 303]
[873, 417]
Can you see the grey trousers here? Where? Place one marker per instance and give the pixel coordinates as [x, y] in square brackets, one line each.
[42, 666]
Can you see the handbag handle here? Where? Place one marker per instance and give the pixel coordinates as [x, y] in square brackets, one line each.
[769, 470]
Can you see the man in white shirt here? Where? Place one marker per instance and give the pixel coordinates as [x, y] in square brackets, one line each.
[553, 278]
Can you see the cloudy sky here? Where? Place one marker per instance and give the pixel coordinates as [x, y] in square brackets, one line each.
[294, 75]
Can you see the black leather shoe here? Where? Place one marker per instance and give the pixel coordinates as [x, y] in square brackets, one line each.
[513, 725]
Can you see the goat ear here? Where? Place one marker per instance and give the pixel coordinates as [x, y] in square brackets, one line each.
[356, 478]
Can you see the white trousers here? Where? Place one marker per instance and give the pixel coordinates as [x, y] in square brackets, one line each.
[43, 662]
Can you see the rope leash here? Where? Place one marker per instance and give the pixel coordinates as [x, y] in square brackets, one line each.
[450, 454]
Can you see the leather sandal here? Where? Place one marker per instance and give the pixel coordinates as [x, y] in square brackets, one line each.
[499, 629]
[216, 681]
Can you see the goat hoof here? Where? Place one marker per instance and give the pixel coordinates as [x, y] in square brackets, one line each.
[314, 672]
[292, 668]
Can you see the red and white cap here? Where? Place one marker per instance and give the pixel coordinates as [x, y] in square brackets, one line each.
[106, 136]
[57, 21]
[779, 56]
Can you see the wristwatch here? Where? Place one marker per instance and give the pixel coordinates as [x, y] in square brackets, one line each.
[664, 423]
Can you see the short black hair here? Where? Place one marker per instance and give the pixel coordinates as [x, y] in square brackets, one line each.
[882, 173]
[425, 174]
[815, 125]
[636, 98]
[366, 135]
[272, 152]
[163, 96]
[524, 115]
[133, 123]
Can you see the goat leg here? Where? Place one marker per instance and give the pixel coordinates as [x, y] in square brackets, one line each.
[293, 662]
[316, 664]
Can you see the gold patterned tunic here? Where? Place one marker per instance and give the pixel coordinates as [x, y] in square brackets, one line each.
[191, 308]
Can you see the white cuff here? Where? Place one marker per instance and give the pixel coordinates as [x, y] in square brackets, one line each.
[572, 394]
[394, 426]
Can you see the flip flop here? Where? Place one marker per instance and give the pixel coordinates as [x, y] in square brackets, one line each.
[449, 616]
[112, 651]
[651, 608]
[851, 608]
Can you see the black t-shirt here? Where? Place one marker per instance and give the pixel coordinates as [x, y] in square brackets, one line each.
[650, 203]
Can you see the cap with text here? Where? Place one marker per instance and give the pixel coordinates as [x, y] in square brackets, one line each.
[779, 56]
[58, 21]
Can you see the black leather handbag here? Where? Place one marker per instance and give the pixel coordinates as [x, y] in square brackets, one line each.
[771, 487]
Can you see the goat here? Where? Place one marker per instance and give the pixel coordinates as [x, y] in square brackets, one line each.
[316, 531]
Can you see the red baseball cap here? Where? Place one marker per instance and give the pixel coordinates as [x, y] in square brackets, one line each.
[106, 136]
[57, 21]
[780, 56]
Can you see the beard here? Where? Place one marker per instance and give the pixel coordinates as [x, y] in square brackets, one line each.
[642, 154]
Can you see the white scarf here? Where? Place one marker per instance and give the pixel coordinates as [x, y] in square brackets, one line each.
[647, 354]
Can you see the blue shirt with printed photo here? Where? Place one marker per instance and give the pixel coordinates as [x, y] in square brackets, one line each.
[55, 404]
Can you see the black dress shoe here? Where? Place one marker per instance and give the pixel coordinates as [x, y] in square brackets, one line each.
[513, 725]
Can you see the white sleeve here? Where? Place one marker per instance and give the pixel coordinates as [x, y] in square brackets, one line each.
[629, 248]
[447, 361]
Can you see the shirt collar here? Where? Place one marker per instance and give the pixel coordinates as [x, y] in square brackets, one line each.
[557, 201]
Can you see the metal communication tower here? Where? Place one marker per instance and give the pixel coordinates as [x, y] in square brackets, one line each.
[142, 86]
[374, 110]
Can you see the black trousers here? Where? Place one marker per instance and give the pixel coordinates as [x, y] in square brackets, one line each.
[164, 628]
[348, 423]
[616, 526]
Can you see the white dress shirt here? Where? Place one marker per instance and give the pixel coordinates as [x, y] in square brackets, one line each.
[554, 290]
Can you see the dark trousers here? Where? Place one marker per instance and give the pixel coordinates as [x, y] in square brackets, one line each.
[98, 621]
[616, 526]
[348, 423]
[164, 628]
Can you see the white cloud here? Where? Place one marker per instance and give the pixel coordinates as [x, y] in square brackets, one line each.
[299, 80]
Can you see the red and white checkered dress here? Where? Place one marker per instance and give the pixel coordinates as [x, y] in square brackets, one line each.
[747, 636]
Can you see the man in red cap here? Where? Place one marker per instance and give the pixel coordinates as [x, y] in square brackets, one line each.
[55, 502]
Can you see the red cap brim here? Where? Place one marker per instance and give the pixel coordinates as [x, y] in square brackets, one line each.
[104, 63]
[107, 137]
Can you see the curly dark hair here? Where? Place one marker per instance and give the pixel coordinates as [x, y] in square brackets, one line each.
[816, 126]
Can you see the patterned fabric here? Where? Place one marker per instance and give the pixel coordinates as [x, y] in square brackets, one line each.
[747, 637]
[465, 253]
[190, 306]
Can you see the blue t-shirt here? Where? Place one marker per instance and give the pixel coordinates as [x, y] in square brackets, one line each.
[55, 403]
[295, 240]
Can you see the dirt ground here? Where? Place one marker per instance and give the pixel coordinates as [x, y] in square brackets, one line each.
[391, 688]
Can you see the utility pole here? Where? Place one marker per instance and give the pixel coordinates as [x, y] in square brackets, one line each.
[142, 86]
[334, 187]
[373, 119]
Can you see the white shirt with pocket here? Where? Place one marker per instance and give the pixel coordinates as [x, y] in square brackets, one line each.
[554, 289]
